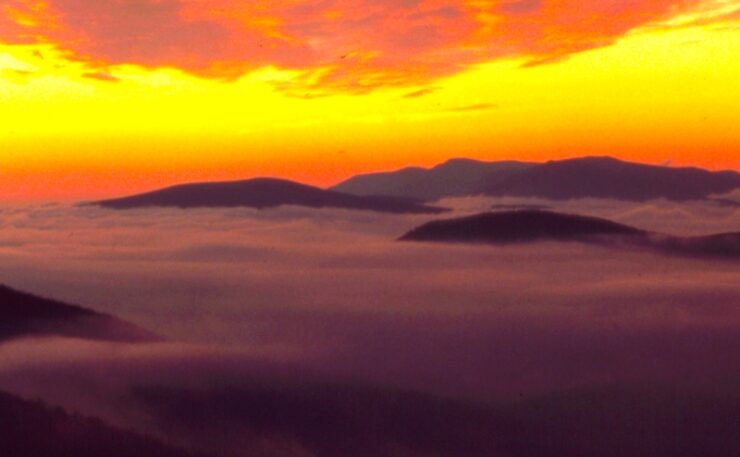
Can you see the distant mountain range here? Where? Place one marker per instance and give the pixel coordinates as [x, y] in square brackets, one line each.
[23, 314]
[456, 177]
[264, 193]
[595, 177]
[406, 190]
[535, 225]
[603, 177]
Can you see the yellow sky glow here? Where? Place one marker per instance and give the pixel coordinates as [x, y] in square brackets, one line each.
[70, 129]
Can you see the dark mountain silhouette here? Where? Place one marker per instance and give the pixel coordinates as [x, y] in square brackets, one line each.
[264, 193]
[328, 420]
[456, 177]
[34, 429]
[23, 314]
[597, 177]
[620, 421]
[290, 419]
[535, 225]
[325, 420]
[605, 177]
[518, 226]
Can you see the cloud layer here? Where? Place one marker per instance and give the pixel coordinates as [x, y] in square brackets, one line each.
[333, 287]
[294, 299]
[352, 44]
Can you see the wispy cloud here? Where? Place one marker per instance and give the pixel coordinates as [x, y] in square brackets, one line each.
[331, 289]
[102, 76]
[473, 107]
[420, 92]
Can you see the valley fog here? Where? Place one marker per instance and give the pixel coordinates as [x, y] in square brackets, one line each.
[335, 288]
[298, 332]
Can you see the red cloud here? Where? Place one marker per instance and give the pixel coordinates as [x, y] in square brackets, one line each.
[355, 44]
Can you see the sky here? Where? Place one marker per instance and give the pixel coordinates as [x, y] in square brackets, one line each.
[118, 96]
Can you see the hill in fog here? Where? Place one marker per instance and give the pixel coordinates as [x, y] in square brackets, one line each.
[23, 314]
[537, 225]
[264, 193]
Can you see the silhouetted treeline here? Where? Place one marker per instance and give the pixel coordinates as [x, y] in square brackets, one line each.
[328, 420]
[34, 429]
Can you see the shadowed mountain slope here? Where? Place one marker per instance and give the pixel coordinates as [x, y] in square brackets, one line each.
[535, 225]
[326, 420]
[263, 193]
[456, 177]
[23, 314]
[34, 429]
[604, 177]
[616, 422]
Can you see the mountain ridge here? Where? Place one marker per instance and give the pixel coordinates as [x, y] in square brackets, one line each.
[607, 177]
[527, 226]
[23, 315]
[262, 193]
[454, 177]
[582, 177]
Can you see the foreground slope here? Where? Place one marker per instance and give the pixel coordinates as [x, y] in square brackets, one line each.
[331, 420]
[537, 225]
[23, 314]
[326, 420]
[263, 193]
[34, 429]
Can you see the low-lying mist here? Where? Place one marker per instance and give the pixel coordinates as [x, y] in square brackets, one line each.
[337, 280]
[330, 296]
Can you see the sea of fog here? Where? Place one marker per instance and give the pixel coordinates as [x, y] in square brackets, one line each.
[331, 294]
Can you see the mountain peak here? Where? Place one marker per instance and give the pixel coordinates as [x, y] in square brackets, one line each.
[263, 193]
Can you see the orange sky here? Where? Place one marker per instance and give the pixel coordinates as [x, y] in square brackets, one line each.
[106, 97]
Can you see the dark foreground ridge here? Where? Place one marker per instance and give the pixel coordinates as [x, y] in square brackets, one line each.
[586, 177]
[347, 420]
[264, 193]
[23, 314]
[34, 429]
[323, 420]
[536, 225]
